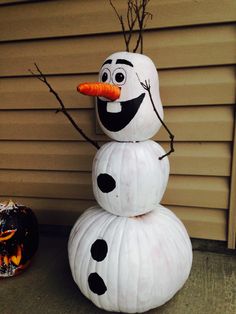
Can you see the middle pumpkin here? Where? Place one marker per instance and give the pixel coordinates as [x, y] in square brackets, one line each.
[128, 178]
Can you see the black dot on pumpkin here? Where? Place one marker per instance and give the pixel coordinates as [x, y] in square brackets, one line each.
[96, 284]
[106, 182]
[99, 250]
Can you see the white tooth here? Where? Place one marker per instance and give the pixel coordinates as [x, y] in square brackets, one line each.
[113, 107]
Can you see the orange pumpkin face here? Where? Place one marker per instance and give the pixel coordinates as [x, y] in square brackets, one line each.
[18, 238]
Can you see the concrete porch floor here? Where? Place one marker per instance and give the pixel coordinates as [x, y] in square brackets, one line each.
[47, 285]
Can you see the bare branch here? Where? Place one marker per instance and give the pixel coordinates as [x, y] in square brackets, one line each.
[143, 16]
[136, 14]
[40, 76]
[131, 19]
[120, 18]
[146, 85]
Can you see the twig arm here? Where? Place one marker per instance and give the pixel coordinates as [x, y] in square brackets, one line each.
[40, 76]
[147, 87]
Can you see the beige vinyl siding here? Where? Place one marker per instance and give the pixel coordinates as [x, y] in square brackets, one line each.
[76, 17]
[168, 48]
[232, 201]
[44, 162]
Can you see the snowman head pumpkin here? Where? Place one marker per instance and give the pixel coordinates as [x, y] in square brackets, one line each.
[128, 107]
[131, 117]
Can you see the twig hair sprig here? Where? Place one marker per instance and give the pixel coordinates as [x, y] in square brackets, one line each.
[136, 15]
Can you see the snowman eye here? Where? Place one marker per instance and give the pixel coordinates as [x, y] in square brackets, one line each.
[105, 75]
[119, 76]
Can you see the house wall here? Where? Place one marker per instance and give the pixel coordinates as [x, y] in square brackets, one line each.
[46, 164]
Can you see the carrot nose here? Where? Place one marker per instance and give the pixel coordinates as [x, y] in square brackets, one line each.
[109, 91]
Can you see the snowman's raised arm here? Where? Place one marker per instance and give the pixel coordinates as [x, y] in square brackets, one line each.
[146, 85]
[40, 76]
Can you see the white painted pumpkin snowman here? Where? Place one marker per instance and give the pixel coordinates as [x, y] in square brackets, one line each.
[129, 254]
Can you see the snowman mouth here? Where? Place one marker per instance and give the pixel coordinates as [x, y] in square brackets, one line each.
[115, 116]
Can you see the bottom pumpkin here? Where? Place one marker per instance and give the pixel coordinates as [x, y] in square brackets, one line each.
[127, 264]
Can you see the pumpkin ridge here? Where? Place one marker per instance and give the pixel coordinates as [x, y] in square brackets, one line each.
[113, 147]
[99, 235]
[146, 156]
[152, 147]
[122, 161]
[122, 149]
[137, 175]
[77, 269]
[172, 220]
[108, 152]
[125, 219]
[105, 226]
[118, 221]
[159, 178]
[139, 259]
[165, 165]
[181, 231]
[117, 151]
[86, 262]
[149, 241]
[73, 246]
[96, 160]
[165, 249]
[79, 221]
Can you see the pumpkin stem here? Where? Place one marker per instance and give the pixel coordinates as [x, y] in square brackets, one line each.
[7, 205]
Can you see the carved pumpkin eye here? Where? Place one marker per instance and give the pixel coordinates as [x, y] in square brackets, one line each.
[6, 235]
[119, 76]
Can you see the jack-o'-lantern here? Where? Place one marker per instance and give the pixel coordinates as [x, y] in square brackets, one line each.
[129, 264]
[18, 238]
[128, 178]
